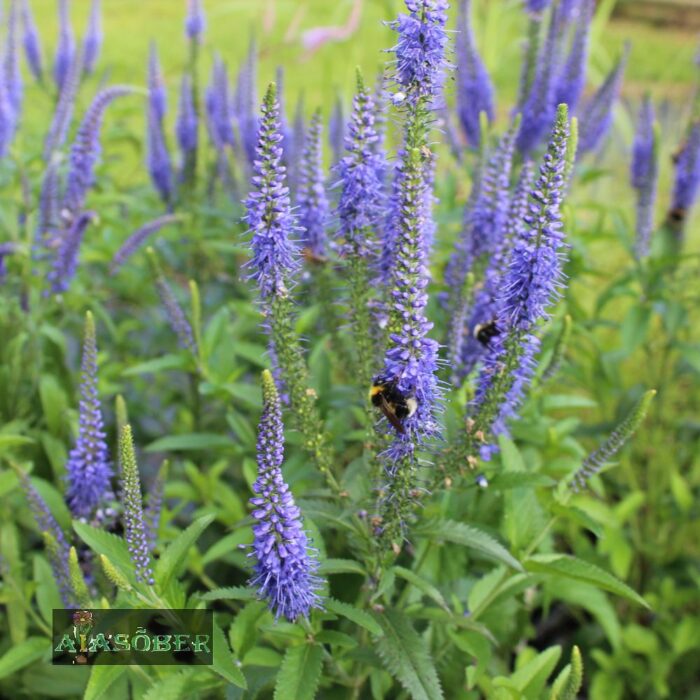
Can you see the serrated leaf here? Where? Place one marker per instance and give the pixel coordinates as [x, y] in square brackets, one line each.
[173, 558]
[359, 617]
[224, 662]
[471, 537]
[113, 547]
[522, 517]
[172, 687]
[404, 655]
[230, 593]
[578, 570]
[245, 629]
[102, 678]
[23, 654]
[422, 585]
[299, 673]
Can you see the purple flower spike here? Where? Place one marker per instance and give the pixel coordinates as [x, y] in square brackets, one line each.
[687, 178]
[336, 130]
[485, 240]
[361, 174]
[31, 41]
[596, 115]
[64, 109]
[65, 49]
[644, 172]
[46, 522]
[530, 286]
[539, 107]
[68, 241]
[12, 77]
[157, 95]
[246, 104]
[194, 22]
[89, 471]
[85, 151]
[136, 533]
[475, 90]
[312, 199]
[45, 234]
[137, 239]
[218, 105]
[285, 568]
[411, 357]
[177, 320]
[572, 78]
[536, 6]
[93, 38]
[158, 157]
[420, 50]
[187, 122]
[268, 213]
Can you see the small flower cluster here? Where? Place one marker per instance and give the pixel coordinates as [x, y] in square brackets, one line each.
[420, 50]
[475, 89]
[312, 200]
[136, 533]
[285, 570]
[596, 460]
[268, 208]
[644, 173]
[89, 471]
[531, 284]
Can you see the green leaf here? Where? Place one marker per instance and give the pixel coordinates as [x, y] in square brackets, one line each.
[475, 645]
[172, 561]
[102, 678]
[578, 570]
[570, 680]
[341, 566]
[299, 673]
[522, 517]
[405, 656]
[159, 364]
[7, 442]
[471, 537]
[531, 678]
[113, 547]
[422, 585]
[245, 629]
[230, 593]
[557, 401]
[48, 596]
[635, 327]
[519, 480]
[190, 441]
[171, 687]
[23, 654]
[54, 404]
[224, 662]
[359, 617]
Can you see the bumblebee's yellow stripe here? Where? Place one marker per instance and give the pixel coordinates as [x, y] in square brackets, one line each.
[375, 389]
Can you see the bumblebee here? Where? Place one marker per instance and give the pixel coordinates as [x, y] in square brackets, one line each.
[484, 332]
[393, 403]
[677, 215]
